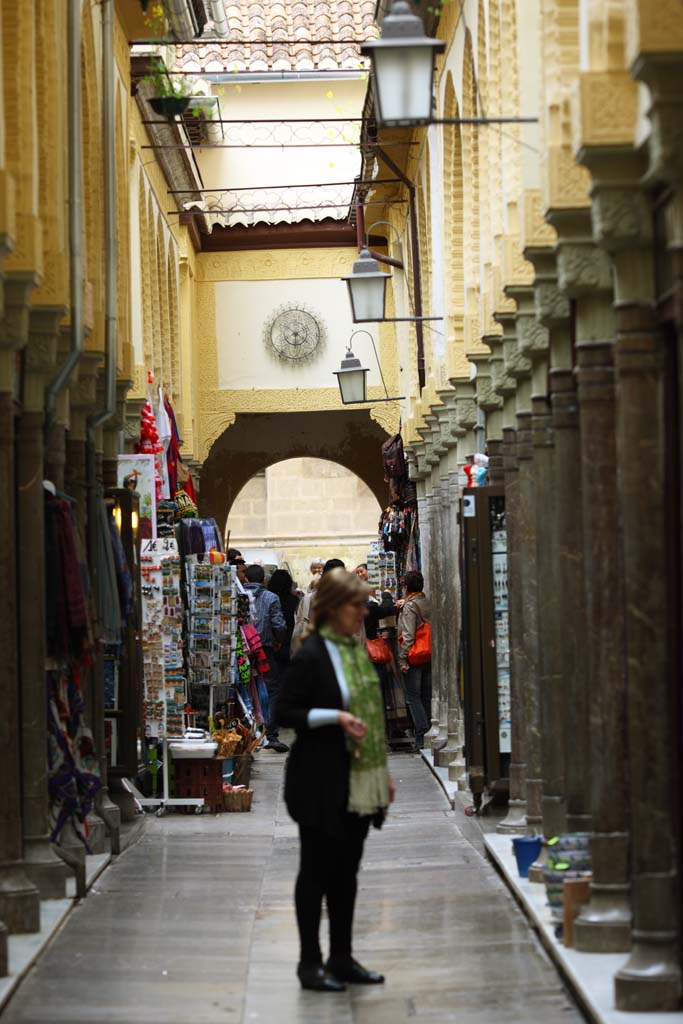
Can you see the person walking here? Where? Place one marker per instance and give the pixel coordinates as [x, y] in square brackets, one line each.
[337, 782]
[304, 611]
[282, 585]
[272, 628]
[417, 679]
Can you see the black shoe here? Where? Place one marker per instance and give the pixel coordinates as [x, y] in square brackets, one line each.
[317, 979]
[351, 971]
[279, 748]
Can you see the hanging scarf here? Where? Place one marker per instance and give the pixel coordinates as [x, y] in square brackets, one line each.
[369, 782]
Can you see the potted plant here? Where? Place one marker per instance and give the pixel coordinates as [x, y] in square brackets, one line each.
[171, 92]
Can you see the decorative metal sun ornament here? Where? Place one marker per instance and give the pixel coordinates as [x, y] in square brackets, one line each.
[294, 334]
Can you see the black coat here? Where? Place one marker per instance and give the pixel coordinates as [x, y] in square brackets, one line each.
[319, 764]
[318, 767]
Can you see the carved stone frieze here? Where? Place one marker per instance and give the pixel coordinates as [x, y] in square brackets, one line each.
[532, 336]
[552, 304]
[622, 217]
[582, 268]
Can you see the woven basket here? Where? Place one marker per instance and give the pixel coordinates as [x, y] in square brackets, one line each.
[237, 799]
[228, 742]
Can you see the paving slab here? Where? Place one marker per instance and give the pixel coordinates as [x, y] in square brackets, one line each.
[195, 925]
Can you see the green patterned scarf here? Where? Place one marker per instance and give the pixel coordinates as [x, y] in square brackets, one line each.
[369, 783]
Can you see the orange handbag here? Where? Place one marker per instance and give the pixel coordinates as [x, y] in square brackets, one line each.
[379, 652]
[421, 651]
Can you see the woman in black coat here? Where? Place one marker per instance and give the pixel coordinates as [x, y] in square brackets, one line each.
[337, 783]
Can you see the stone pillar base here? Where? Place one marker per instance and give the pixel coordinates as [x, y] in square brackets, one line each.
[604, 924]
[111, 815]
[538, 867]
[4, 957]
[97, 833]
[515, 823]
[457, 769]
[44, 868]
[19, 901]
[122, 799]
[651, 980]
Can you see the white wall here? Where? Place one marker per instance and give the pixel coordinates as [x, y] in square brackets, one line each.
[245, 361]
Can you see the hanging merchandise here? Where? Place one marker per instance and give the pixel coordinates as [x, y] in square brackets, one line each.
[173, 450]
[149, 443]
[393, 457]
[73, 770]
[163, 424]
[165, 681]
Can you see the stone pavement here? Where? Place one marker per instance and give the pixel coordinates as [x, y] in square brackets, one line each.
[195, 925]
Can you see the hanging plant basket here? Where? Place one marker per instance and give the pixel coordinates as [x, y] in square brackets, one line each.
[169, 106]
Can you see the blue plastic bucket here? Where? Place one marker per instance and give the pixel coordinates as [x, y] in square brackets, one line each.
[527, 849]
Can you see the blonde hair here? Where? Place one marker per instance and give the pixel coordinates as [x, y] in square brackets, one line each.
[336, 588]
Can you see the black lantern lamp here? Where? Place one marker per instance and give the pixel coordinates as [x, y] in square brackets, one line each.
[403, 68]
[352, 378]
[367, 286]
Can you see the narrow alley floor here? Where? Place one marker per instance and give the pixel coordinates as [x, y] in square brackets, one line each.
[195, 925]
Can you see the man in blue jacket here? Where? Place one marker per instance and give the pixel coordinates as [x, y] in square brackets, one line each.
[272, 628]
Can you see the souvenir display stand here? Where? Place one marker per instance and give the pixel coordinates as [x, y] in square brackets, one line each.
[382, 574]
[486, 639]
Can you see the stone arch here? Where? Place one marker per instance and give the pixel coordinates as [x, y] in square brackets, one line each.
[145, 271]
[173, 372]
[152, 226]
[483, 137]
[123, 239]
[164, 372]
[470, 167]
[509, 87]
[258, 440]
[453, 208]
[93, 220]
[425, 239]
[51, 85]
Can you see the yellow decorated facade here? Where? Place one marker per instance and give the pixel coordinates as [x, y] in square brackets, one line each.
[540, 247]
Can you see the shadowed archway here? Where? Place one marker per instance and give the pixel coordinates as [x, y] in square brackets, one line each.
[257, 440]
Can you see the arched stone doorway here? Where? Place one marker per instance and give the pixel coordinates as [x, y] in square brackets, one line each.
[258, 440]
[303, 509]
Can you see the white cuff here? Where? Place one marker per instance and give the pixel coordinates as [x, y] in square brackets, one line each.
[317, 717]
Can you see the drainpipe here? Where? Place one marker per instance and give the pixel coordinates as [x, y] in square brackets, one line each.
[108, 811]
[110, 243]
[415, 253]
[67, 368]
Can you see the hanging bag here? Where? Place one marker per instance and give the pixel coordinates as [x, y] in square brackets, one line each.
[421, 651]
[379, 651]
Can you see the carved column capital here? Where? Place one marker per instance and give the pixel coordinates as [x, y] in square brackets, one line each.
[582, 268]
[663, 73]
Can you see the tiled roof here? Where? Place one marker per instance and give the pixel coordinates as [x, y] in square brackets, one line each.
[255, 28]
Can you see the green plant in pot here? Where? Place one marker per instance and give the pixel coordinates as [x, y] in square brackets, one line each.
[171, 92]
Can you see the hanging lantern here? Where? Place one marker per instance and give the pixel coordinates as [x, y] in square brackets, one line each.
[352, 379]
[367, 286]
[403, 68]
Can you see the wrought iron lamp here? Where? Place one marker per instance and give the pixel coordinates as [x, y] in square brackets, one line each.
[403, 65]
[352, 378]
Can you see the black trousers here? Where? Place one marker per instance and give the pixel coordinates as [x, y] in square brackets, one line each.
[272, 681]
[329, 866]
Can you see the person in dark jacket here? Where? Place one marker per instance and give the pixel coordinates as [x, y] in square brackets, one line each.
[417, 679]
[272, 628]
[337, 782]
[282, 584]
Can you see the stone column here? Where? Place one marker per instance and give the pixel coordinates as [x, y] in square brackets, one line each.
[516, 822]
[584, 273]
[83, 401]
[19, 897]
[525, 604]
[533, 344]
[42, 864]
[552, 308]
[452, 755]
[646, 363]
